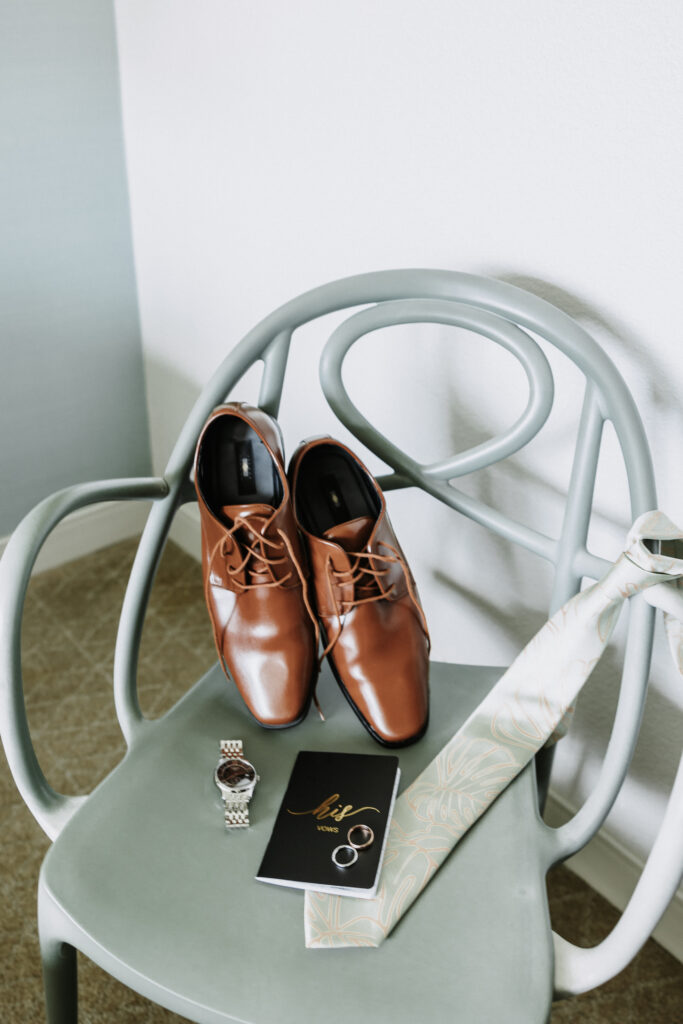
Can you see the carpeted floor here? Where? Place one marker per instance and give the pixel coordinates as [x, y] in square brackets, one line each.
[69, 631]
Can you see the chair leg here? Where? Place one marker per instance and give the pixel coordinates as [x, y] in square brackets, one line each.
[59, 972]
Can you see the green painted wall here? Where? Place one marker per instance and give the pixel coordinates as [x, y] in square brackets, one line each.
[72, 395]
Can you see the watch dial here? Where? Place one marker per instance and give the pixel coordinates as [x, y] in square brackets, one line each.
[236, 774]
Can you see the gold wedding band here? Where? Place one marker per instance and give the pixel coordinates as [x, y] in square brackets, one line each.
[360, 837]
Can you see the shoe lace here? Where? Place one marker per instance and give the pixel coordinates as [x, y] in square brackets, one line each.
[257, 562]
[365, 578]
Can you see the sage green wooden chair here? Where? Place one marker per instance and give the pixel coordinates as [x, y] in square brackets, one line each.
[142, 877]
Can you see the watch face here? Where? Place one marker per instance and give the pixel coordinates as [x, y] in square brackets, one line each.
[236, 774]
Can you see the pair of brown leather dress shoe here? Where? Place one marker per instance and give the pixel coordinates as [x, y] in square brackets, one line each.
[290, 561]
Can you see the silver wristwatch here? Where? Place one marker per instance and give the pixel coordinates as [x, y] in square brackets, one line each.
[236, 778]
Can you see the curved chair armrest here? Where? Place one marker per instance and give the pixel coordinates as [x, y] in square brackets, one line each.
[51, 809]
[578, 970]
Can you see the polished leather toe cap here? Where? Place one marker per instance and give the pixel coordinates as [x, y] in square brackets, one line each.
[381, 661]
[270, 655]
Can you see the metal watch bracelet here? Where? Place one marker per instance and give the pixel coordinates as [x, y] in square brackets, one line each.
[236, 807]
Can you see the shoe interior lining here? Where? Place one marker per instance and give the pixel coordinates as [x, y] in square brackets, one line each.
[331, 489]
[235, 467]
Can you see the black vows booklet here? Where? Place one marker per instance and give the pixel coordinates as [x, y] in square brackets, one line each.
[327, 794]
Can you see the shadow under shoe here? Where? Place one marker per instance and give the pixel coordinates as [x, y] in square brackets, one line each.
[253, 565]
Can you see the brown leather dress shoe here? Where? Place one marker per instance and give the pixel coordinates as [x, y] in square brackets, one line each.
[372, 620]
[254, 577]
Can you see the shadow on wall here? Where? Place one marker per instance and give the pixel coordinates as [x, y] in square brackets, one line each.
[522, 489]
[651, 370]
[531, 486]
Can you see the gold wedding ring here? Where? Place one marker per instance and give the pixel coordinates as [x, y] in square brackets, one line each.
[360, 837]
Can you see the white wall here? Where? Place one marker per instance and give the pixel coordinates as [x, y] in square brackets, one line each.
[272, 147]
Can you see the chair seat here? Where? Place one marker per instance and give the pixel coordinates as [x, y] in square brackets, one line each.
[153, 889]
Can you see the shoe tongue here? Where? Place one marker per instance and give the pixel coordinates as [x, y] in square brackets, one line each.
[353, 535]
[252, 531]
[247, 512]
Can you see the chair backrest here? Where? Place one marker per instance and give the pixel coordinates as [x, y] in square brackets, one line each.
[499, 311]
[505, 314]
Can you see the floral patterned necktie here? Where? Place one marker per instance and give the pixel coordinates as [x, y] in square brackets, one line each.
[517, 717]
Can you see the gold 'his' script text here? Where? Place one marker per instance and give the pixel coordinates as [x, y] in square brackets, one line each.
[327, 809]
